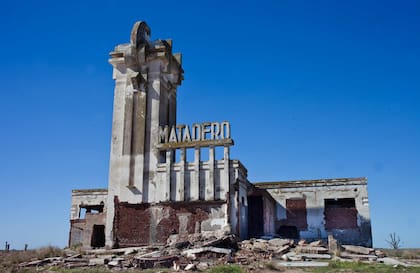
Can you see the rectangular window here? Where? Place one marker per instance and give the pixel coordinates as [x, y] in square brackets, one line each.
[296, 213]
[340, 213]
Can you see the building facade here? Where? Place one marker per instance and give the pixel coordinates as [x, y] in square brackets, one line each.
[313, 209]
[154, 192]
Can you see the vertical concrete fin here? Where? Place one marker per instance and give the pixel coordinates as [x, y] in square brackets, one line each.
[195, 182]
[226, 176]
[210, 181]
[169, 185]
[181, 182]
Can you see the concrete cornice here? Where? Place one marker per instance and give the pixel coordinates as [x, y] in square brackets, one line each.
[312, 183]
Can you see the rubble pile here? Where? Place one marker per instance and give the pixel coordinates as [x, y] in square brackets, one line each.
[199, 253]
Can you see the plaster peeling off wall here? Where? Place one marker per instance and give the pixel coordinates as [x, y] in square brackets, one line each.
[144, 224]
[313, 209]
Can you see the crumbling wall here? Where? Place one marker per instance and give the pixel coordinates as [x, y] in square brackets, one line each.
[350, 225]
[82, 226]
[143, 224]
[81, 230]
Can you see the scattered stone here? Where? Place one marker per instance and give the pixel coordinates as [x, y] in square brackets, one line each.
[198, 252]
[96, 261]
[311, 249]
[285, 257]
[391, 261]
[202, 266]
[191, 252]
[151, 262]
[304, 264]
[302, 242]
[76, 265]
[259, 246]
[293, 256]
[279, 242]
[358, 256]
[280, 250]
[114, 263]
[358, 249]
[315, 256]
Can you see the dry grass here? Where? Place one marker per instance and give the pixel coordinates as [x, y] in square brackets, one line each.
[9, 260]
[356, 267]
[404, 253]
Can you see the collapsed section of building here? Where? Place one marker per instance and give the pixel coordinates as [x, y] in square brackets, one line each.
[155, 192]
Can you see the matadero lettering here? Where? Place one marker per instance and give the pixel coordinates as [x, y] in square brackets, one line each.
[197, 132]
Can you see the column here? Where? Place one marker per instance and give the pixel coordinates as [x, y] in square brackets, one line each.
[224, 187]
[168, 189]
[195, 181]
[210, 182]
[181, 183]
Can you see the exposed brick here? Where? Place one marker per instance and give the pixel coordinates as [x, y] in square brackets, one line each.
[296, 213]
[340, 218]
[133, 222]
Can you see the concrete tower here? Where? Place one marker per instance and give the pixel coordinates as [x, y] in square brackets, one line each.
[146, 75]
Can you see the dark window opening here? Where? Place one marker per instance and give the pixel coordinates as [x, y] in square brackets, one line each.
[340, 213]
[340, 203]
[98, 236]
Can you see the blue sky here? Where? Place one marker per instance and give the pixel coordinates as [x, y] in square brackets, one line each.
[313, 89]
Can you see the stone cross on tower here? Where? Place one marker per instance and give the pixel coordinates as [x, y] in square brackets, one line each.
[146, 75]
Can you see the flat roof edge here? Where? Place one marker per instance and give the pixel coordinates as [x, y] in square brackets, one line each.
[312, 183]
[89, 190]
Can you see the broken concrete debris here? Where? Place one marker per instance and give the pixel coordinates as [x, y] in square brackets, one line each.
[359, 249]
[198, 253]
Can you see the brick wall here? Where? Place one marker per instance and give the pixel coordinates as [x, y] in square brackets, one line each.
[143, 224]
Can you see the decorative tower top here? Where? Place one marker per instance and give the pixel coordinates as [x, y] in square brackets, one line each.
[146, 75]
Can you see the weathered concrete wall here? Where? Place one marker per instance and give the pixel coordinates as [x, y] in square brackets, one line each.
[81, 229]
[143, 224]
[238, 191]
[269, 219]
[315, 192]
[83, 198]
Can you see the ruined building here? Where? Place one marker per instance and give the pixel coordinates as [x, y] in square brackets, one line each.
[153, 194]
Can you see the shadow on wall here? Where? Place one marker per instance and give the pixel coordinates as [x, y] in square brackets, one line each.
[344, 223]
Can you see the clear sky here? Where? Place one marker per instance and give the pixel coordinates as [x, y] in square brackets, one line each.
[313, 89]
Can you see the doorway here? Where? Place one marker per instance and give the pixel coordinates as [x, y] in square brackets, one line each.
[255, 216]
[98, 236]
